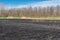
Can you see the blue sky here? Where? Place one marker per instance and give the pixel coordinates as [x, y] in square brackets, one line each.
[19, 2]
[27, 3]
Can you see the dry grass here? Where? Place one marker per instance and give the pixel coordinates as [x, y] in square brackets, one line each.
[41, 18]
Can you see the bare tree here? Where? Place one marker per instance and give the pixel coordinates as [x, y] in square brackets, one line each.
[31, 12]
[58, 11]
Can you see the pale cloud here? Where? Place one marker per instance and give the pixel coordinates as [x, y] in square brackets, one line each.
[37, 4]
[46, 3]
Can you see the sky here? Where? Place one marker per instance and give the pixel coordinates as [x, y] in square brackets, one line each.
[26, 3]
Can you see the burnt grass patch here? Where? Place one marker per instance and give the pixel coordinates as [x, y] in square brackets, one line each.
[10, 30]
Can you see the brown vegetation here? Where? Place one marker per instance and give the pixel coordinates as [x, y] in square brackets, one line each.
[31, 12]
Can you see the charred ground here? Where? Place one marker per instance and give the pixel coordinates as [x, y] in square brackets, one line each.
[21, 29]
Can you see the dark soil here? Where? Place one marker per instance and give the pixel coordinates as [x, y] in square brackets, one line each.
[29, 30]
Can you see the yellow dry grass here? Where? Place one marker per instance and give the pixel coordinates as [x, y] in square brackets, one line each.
[41, 18]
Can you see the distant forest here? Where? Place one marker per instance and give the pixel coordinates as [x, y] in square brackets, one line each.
[52, 11]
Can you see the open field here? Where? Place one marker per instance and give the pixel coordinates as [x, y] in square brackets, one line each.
[23, 29]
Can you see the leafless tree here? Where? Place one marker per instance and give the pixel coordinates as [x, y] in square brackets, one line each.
[31, 12]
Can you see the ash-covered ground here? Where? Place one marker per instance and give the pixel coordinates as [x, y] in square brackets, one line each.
[20, 29]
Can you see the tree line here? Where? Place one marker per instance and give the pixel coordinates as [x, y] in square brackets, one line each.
[53, 11]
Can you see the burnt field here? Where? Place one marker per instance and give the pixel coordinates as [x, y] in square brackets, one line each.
[21, 29]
